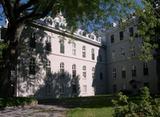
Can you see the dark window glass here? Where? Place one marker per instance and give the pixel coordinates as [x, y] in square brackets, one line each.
[121, 35]
[134, 71]
[32, 66]
[123, 73]
[101, 75]
[112, 38]
[145, 69]
[62, 47]
[131, 31]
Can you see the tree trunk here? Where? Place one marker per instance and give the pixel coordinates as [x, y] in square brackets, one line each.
[10, 57]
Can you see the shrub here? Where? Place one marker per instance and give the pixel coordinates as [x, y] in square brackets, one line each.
[141, 106]
[17, 101]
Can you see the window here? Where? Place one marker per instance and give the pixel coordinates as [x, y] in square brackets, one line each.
[132, 50]
[84, 51]
[121, 36]
[62, 50]
[145, 69]
[131, 31]
[114, 88]
[123, 72]
[101, 76]
[62, 67]
[32, 66]
[48, 66]
[112, 38]
[114, 73]
[84, 71]
[48, 43]
[93, 72]
[84, 90]
[73, 71]
[134, 71]
[92, 54]
[73, 48]
[122, 52]
[33, 40]
[113, 54]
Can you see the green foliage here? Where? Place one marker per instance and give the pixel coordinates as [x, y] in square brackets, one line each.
[149, 20]
[17, 101]
[143, 106]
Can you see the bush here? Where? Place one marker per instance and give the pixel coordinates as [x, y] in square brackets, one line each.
[17, 101]
[141, 106]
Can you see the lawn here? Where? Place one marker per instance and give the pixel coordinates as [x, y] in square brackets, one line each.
[90, 112]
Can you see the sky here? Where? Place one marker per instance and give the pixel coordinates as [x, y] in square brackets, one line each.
[2, 19]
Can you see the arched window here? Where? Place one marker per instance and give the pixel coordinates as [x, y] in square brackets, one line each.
[84, 51]
[62, 47]
[62, 67]
[145, 69]
[84, 71]
[123, 72]
[74, 48]
[73, 71]
[133, 71]
[92, 54]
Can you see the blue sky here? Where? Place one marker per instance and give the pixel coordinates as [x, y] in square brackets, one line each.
[2, 19]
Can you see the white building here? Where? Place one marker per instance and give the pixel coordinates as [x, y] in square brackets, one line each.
[56, 63]
[53, 62]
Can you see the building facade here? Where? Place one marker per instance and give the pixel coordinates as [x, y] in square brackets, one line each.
[56, 63]
[125, 71]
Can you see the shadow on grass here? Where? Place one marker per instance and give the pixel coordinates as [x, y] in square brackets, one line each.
[81, 102]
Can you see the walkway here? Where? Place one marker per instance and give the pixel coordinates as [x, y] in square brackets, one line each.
[36, 111]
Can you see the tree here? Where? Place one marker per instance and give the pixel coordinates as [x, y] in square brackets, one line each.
[149, 30]
[20, 12]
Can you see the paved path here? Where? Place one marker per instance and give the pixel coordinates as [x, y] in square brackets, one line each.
[36, 111]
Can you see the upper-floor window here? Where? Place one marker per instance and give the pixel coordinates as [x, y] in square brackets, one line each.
[145, 69]
[112, 38]
[123, 72]
[62, 67]
[113, 54]
[48, 66]
[73, 48]
[101, 76]
[134, 71]
[32, 42]
[62, 47]
[84, 51]
[132, 51]
[84, 71]
[122, 52]
[121, 36]
[114, 74]
[131, 32]
[73, 71]
[32, 66]
[48, 43]
[93, 72]
[92, 54]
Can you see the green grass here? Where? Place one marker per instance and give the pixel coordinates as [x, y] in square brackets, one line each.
[90, 112]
